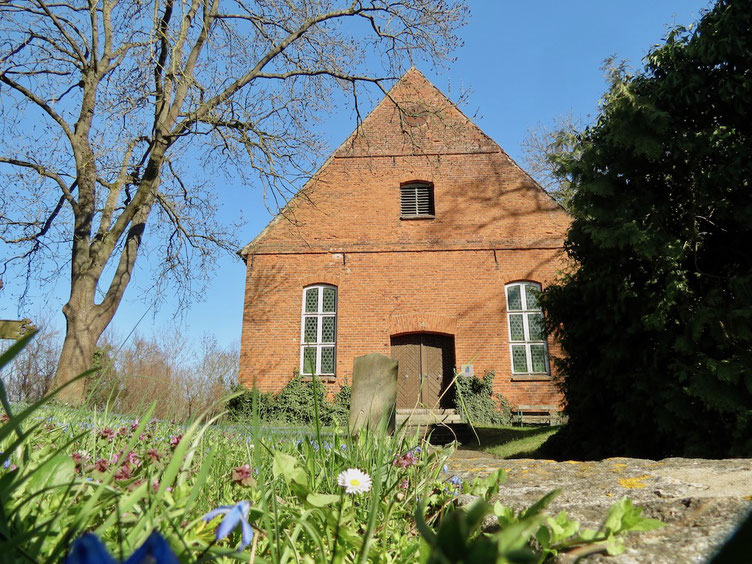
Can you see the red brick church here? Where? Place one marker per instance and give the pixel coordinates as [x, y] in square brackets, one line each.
[419, 238]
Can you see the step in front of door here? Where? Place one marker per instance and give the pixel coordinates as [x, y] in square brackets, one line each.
[427, 416]
[443, 434]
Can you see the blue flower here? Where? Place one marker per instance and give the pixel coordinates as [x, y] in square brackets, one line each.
[154, 550]
[456, 480]
[445, 468]
[90, 550]
[343, 447]
[234, 515]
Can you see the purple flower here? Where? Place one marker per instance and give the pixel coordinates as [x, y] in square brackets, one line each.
[234, 515]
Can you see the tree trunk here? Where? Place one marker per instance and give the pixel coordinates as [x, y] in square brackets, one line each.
[85, 322]
[76, 357]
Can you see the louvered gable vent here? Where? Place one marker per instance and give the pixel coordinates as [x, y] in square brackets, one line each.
[417, 200]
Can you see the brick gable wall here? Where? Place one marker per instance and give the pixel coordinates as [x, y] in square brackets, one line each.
[493, 225]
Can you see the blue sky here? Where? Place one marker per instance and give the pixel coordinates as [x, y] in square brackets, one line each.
[522, 63]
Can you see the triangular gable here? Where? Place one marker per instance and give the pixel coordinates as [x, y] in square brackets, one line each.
[413, 119]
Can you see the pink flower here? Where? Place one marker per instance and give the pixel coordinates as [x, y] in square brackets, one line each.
[80, 457]
[101, 465]
[133, 459]
[242, 475]
[175, 440]
[123, 473]
[406, 460]
[108, 433]
[153, 454]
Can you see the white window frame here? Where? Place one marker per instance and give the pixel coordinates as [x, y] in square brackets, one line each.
[320, 314]
[527, 342]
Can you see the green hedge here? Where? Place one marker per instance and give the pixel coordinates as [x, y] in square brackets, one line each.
[294, 404]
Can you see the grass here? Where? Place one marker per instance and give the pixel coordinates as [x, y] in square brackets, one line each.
[511, 442]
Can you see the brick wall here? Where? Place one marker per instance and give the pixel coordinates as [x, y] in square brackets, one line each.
[493, 225]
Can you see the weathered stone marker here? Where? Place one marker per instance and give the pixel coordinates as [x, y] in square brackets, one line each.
[374, 392]
[11, 329]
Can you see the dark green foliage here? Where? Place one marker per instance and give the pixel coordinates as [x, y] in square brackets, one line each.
[656, 320]
[241, 407]
[294, 404]
[476, 402]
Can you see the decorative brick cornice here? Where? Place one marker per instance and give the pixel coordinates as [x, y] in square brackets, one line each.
[400, 247]
[422, 322]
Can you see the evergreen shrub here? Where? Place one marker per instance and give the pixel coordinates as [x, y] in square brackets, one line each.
[655, 316]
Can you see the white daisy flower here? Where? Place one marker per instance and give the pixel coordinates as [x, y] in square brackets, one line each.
[354, 481]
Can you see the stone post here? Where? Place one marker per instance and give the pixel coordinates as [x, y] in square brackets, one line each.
[374, 393]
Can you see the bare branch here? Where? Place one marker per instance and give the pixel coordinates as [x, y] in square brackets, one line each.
[47, 173]
[29, 95]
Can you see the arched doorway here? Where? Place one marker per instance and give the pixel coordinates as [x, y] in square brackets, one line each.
[426, 369]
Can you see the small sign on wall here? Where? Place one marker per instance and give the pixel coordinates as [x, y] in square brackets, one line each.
[467, 370]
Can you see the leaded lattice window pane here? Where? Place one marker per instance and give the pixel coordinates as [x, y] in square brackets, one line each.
[327, 329]
[309, 360]
[519, 358]
[312, 300]
[532, 293]
[330, 299]
[514, 299]
[327, 360]
[318, 333]
[309, 334]
[535, 325]
[527, 331]
[538, 356]
[516, 329]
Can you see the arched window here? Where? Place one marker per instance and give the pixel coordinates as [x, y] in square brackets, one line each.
[527, 339]
[318, 330]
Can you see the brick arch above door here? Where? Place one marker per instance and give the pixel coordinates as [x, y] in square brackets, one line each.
[422, 322]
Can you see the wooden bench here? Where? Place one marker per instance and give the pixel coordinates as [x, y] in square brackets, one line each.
[537, 414]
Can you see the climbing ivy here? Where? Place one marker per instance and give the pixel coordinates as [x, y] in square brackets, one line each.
[476, 402]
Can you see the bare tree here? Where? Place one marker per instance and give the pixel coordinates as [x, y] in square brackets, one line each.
[28, 377]
[542, 149]
[148, 370]
[211, 376]
[105, 102]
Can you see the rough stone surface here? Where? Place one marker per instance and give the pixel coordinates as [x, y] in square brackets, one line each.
[701, 501]
[374, 392]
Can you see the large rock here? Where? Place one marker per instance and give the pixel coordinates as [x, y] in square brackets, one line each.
[701, 501]
[374, 392]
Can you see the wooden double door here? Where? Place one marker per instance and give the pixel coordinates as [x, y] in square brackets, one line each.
[426, 369]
